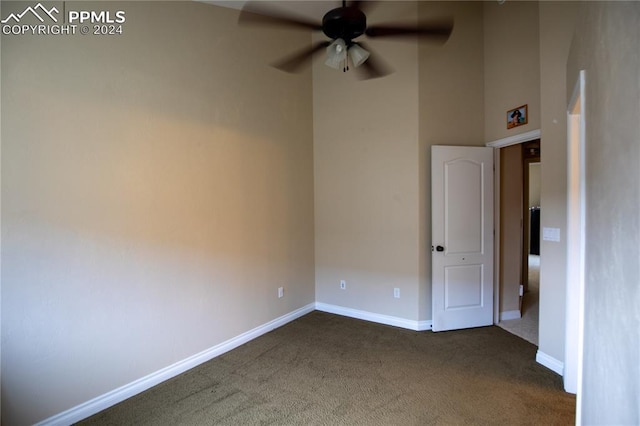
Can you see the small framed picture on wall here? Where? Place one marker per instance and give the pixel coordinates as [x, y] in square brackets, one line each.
[517, 117]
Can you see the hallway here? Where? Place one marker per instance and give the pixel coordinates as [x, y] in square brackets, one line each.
[526, 327]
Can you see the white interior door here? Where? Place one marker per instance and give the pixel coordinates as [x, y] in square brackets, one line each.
[462, 236]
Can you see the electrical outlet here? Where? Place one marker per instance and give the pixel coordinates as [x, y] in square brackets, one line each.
[396, 293]
[280, 292]
[343, 285]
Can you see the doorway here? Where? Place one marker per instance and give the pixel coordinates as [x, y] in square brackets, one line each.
[531, 209]
[520, 239]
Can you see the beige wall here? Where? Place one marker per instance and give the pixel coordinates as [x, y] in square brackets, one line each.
[511, 79]
[366, 179]
[511, 66]
[157, 188]
[511, 193]
[606, 47]
[556, 30]
[534, 184]
[372, 179]
[451, 109]
[544, 33]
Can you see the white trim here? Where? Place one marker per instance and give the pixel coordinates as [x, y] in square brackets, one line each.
[502, 143]
[510, 315]
[109, 399]
[576, 237]
[550, 362]
[424, 325]
[515, 139]
[373, 317]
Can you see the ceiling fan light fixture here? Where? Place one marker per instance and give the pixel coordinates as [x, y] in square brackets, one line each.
[341, 26]
[358, 55]
[336, 53]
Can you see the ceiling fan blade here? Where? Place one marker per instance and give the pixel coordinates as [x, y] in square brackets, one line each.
[256, 13]
[295, 62]
[363, 5]
[439, 30]
[373, 67]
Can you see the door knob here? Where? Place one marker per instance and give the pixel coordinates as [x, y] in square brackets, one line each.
[439, 248]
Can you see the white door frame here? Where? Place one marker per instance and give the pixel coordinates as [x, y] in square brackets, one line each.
[497, 144]
[576, 209]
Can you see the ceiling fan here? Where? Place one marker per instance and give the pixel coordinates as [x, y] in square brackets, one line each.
[343, 25]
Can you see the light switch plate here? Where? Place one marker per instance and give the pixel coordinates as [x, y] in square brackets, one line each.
[551, 234]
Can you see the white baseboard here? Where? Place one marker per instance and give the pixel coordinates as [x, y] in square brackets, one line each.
[424, 325]
[550, 362]
[109, 399]
[373, 317]
[509, 315]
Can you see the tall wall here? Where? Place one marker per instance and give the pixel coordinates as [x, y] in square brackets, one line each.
[606, 47]
[451, 99]
[511, 66]
[556, 31]
[512, 79]
[157, 188]
[372, 159]
[366, 178]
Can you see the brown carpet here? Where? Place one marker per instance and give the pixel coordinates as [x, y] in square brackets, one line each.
[324, 369]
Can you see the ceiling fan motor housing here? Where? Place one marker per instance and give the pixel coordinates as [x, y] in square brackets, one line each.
[346, 23]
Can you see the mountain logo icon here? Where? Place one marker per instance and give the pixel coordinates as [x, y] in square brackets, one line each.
[34, 11]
